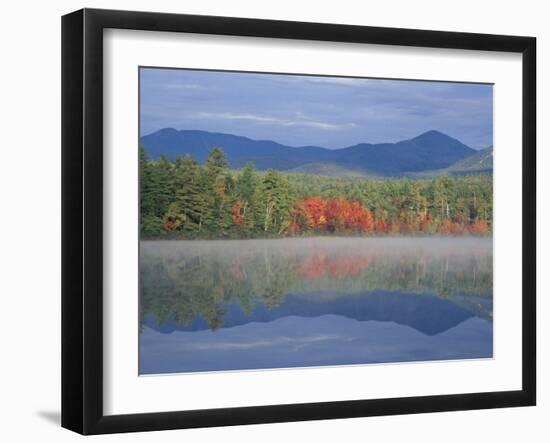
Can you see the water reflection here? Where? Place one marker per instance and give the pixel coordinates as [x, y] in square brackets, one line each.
[222, 305]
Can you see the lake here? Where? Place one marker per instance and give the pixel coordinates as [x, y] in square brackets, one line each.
[219, 305]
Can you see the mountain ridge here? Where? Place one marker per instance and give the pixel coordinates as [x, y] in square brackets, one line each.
[431, 150]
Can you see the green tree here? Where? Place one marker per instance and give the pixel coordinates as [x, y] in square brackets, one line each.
[442, 187]
[216, 162]
[216, 186]
[274, 203]
[156, 192]
[245, 193]
[186, 212]
[162, 185]
[147, 196]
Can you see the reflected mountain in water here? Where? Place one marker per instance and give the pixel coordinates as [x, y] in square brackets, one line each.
[426, 313]
[420, 299]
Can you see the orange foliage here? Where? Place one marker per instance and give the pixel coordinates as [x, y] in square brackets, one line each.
[345, 216]
[380, 226]
[168, 224]
[479, 227]
[342, 214]
[315, 208]
[237, 213]
[315, 213]
[301, 220]
[447, 227]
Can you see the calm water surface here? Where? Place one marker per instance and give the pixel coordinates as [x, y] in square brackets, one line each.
[256, 304]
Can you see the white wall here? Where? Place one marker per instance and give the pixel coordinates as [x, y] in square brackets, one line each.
[30, 218]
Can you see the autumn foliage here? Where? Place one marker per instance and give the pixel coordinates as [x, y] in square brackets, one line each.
[479, 227]
[335, 215]
[237, 212]
[184, 199]
[340, 215]
[345, 215]
[447, 227]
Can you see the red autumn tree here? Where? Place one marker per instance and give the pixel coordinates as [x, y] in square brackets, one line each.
[479, 227]
[315, 208]
[360, 218]
[343, 215]
[237, 212]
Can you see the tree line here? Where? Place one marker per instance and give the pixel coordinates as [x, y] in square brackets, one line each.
[184, 199]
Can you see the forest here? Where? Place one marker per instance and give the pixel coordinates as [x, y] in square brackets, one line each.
[183, 199]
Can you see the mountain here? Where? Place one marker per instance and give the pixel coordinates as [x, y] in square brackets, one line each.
[328, 170]
[480, 162]
[432, 150]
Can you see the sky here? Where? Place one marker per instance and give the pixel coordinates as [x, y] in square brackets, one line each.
[298, 110]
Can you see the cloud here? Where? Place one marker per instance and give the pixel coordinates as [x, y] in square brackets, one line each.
[300, 120]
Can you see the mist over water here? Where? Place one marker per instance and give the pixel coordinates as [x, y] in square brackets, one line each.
[252, 304]
[435, 246]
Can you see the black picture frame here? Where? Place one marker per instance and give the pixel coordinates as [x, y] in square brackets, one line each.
[82, 218]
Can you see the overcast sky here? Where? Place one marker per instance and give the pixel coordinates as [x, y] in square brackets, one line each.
[330, 112]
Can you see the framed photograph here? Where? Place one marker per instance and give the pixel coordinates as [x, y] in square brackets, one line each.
[268, 221]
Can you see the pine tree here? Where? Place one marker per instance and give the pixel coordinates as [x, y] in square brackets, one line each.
[245, 192]
[156, 192]
[162, 184]
[186, 210]
[146, 195]
[216, 162]
[274, 203]
[217, 215]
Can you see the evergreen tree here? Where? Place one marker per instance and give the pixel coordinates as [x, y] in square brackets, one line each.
[216, 162]
[245, 192]
[147, 197]
[162, 185]
[185, 212]
[217, 217]
[150, 212]
[274, 203]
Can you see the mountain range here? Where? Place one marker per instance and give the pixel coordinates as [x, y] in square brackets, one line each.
[430, 153]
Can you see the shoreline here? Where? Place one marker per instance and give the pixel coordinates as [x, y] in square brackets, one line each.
[317, 236]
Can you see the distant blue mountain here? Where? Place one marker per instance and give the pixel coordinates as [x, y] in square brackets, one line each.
[432, 150]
